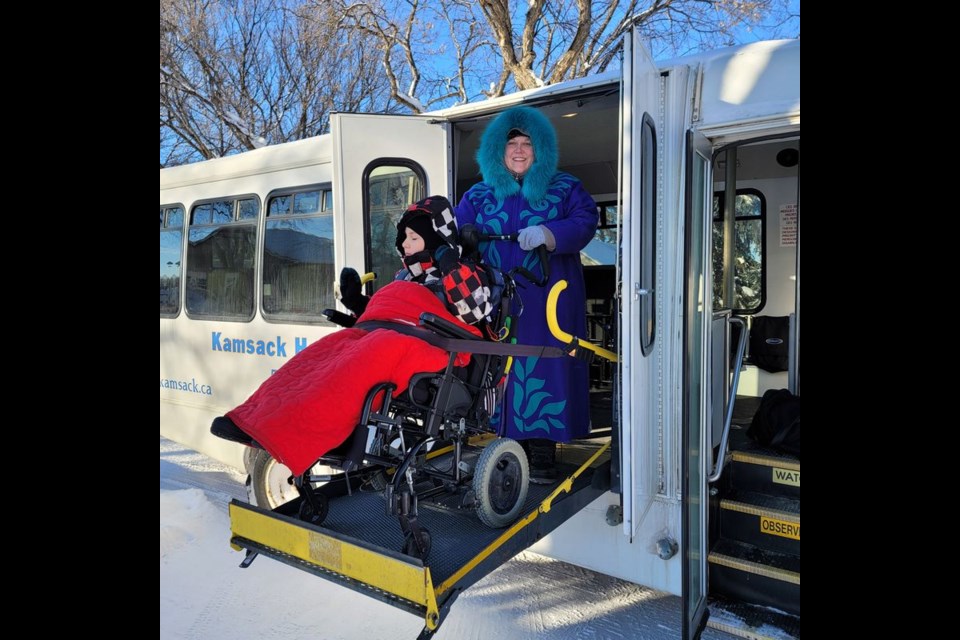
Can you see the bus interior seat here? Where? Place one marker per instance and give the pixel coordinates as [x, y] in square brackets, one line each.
[769, 342]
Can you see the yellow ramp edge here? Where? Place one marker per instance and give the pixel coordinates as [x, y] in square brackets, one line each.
[544, 507]
[410, 581]
[391, 575]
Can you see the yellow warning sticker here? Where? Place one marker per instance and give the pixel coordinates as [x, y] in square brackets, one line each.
[780, 528]
[786, 476]
[325, 551]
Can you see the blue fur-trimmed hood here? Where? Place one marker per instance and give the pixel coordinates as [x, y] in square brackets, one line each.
[494, 143]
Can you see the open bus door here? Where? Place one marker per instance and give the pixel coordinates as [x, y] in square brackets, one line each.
[697, 315]
[381, 164]
[638, 424]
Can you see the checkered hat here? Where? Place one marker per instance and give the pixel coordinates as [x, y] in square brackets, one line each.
[440, 214]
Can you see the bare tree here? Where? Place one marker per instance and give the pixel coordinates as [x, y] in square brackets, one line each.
[472, 49]
[423, 63]
[239, 74]
[536, 42]
[544, 42]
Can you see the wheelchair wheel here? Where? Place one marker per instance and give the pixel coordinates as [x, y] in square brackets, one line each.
[308, 514]
[500, 482]
[410, 546]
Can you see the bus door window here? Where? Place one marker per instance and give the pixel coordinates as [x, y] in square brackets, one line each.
[390, 188]
[749, 264]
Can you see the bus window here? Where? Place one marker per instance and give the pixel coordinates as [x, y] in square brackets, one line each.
[306, 202]
[171, 245]
[390, 189]
[298, 270]
[602, 250]
[749, 272]
[248, 209]
[221, 257]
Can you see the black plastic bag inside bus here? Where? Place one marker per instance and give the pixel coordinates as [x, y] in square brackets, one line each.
[770, 342]
[776, 423]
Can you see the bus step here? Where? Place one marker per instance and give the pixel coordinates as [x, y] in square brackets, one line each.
[751, 621]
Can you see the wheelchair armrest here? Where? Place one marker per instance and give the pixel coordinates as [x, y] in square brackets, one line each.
[445, 327]
[340, 318]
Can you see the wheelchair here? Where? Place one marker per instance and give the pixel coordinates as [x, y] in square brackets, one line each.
[434, 440]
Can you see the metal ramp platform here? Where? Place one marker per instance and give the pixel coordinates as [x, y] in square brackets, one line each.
[358, 544]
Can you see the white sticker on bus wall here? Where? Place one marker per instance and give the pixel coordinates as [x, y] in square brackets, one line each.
[786, 476]
[788, 225]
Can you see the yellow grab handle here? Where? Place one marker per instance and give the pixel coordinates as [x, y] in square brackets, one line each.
[562, 335]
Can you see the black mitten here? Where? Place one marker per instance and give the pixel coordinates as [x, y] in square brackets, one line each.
[446, 258]
[351, 291]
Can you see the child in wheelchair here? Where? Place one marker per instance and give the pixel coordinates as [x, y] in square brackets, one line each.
[401, 380]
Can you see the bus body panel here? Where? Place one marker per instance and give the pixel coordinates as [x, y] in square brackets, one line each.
[210, 366]
[305, 160]
[755, 83]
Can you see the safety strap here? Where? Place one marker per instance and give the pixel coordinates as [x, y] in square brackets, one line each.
[464, 346]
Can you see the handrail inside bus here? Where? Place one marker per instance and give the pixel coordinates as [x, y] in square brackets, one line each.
[738, 363]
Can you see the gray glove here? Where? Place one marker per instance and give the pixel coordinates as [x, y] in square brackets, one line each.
[532, 237]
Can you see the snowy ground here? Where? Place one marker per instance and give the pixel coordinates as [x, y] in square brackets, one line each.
[204, 595]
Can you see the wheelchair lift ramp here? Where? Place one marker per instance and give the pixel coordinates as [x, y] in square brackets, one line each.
[359, 545]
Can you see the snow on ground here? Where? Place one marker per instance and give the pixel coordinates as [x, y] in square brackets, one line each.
[205, 595]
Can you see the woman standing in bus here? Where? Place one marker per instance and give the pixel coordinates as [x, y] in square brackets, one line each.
[546, 400]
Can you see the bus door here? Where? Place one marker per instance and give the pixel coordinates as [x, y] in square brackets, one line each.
[639, 449]
[381, 164]
[697, 417]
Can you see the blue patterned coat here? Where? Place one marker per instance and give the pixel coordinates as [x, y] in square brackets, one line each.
[544, 397]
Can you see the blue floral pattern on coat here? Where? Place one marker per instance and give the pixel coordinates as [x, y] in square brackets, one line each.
[544, 397]
[530, 411]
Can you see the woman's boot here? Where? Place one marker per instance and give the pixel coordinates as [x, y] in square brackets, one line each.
[543, 464]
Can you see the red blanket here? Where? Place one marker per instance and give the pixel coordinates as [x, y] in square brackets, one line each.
[313, 402]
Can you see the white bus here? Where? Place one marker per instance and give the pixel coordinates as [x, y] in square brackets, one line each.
[250, 246]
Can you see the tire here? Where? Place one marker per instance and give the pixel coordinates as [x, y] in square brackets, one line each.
[315, 516]
[500, 482]
[269, 483]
